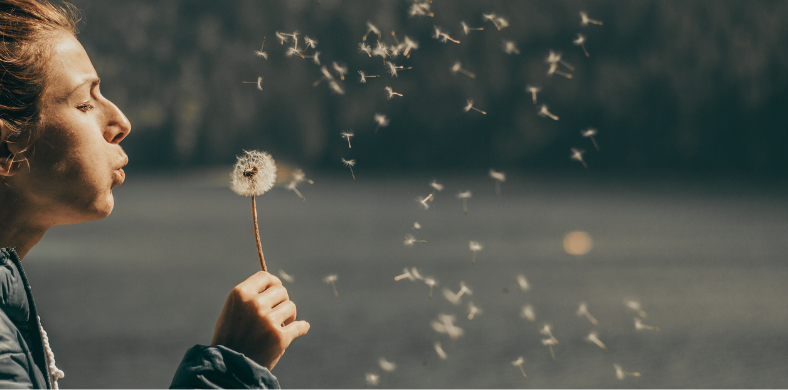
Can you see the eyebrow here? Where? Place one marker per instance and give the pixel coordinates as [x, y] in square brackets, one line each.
[92, 80]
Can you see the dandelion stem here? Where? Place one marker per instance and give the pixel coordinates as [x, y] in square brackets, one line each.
[465, 206]
[595, 144]
[523, 371]
[352, 174]
[257, 236]
[334, 286]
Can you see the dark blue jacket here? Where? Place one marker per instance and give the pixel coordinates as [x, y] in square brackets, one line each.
[23, 361]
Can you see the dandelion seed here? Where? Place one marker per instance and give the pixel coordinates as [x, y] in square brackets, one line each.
[315, 57]
[420, 9]
[416, 225]
[309, 42]
[533, 90]
[594, 338]
[416, 274]
[371, 29]
[282, 37]
[635, 306]
[445, 324]
[527, 312]
[336, 88]
[294, 35]
[423, 201]
[299, 176]
[469, 106]
[523, 283]
[510, 47]
[409, 45]
[621, 374]
[381, 121]
[253, 175]
[519, 363]
[547, 330]
[430, 281]
[350, 164]
[259, 83]
[393, 68]
[499, 22]
[555, 58]
[554, 70]
[261, 53]
[285, 276]
[639, 325]
[381, 50]
[292, 186]
[406, 274]
[585, 20]
[386, 365]
[372, 379]
[464, 196]
[457, 298]
[342, 70]
[457, 67]
[581, 41]
[443, 36]
[578, 155]
[583, 311]
[292, 51]
[364, 48]
[467, 29]
[410, 240]
[326, 76]
[331, 279]
[543, 111]
[363, 76]
[436, 186]
[499, 178]
[391, 92]
[590, 133]
[439, 351]
[473, 310]
[550, 341]
[475, 247]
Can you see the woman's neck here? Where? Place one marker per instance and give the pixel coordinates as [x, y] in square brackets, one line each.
[19, 226]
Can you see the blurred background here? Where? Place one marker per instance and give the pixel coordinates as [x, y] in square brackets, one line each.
[685, 201]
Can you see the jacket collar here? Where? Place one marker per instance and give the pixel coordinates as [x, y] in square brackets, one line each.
[13, 298]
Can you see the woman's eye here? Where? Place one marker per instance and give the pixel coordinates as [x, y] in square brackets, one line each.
[85, 107]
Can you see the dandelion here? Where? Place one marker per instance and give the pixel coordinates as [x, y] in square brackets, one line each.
[635, 306]
[583, 311]
[430, 281]
[409, 45]
[499, 22]
[445, 324]
[533, 90]
[261, 53]
[578, 155]
[410, 240]
[285, 276]
[420, 9]
[585, 20]
[309, 42]
[436, 186]
[464, 196]
[362, 77]
[456, 298]
[510, 47]
[381, 120]
[519, 363]
[350, 164]
[347, 135]
[292, 186]
[527, 312]
[364, 48]
[381, 50]
[590, 133]
[342, 70]
[443, 36]
[371, 29]
[386, 365]
[391, 92]
[475, 248]
[467, 29]
[423, 201]
[259, 83]
[639, 325]
[499, 178]
[469, 106]
[621, 374]
[439, 351]
[253, 175]
[293, 51]
[473, 310]
[372, 379]
[594, 338]
[331, 279]
[581, 41]
[543, 111]
[523, 283]
[457, 67]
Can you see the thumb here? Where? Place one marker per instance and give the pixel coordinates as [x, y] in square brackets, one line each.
[297, 328]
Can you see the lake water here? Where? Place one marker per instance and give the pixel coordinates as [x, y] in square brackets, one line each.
[124, 297]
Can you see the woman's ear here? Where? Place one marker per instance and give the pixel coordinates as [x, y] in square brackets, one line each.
[6, 156]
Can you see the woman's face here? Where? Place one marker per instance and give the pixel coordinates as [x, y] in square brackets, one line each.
[77, 160]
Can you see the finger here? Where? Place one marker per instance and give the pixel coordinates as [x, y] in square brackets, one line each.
[272, 297]
[285, 313]
[297, 329]
[259, 282]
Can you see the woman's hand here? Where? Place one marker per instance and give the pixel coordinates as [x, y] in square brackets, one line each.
[258, 320]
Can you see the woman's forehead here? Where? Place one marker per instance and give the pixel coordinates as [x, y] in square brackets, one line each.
[69, 66]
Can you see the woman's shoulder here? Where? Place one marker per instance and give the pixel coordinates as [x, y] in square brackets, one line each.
[13, 298]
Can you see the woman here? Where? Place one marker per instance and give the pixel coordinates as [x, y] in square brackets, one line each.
[60, 158]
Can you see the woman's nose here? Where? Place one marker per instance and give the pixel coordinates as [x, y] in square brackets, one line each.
[117, 126]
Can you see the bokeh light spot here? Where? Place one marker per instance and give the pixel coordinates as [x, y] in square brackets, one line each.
[578, 243]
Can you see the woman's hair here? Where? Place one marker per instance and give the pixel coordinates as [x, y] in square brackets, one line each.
[26, 31]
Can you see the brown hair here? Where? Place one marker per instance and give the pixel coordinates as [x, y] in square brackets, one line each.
[25, 26]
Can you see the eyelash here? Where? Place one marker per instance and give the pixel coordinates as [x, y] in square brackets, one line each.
[85, 107]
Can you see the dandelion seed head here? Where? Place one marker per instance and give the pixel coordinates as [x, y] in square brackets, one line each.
[500, 176]
[364, 48]
[549, 342]
[619, 372]
[331, 278]
[386, 365]
[372, 28]
[261, 53]
[254, 173]
[285, 276]
[523, 283]
[372, 379]
[553, 57]
[465, 28]
[491, 16]
[501, 23]
[420, 9]
[451, 296]
[437, 186]
[347, 135]
[533, 89]
[527, 312]
[518, 362]
[336, 88]
[392, 68]
[380, 50]
[456, 67]
[468, 105]
[580, 39]
[416, 225]
[439, 351]
[430, 281]
[316, 57]
[464, 195]
[415, 272]
[342, 70]
[309, 42]
[326, 74]
[590, 132]
[410, 240]
[282, 37]
[409, 45]
[292, 51]
[362, 77]
[348, 163]
[381, 120]
[510, 47]
[577, 154]
[475, 246]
